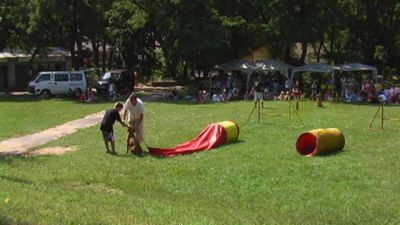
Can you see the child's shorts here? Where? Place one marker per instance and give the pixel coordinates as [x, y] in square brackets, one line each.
[108, 135]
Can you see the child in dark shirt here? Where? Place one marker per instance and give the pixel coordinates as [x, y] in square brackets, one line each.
[107, 124]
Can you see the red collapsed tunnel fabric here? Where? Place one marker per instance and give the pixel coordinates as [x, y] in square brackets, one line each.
[212, 136]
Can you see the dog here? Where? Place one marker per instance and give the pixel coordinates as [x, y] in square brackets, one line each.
[132, 144]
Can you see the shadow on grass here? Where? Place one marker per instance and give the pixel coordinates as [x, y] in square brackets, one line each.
[369, 104]
[31, 98]
[15, 179]
[182, 102]
[131, 155]
[9, 154]
[334, 153]
[19, 98]
[7, 221]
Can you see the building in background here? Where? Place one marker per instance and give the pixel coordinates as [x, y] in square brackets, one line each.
[14, 66]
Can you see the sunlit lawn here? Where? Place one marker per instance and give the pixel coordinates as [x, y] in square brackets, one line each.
[25, 114]
[259, 180]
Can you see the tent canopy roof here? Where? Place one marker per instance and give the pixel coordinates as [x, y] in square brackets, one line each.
[271, 65]
[356, 67]
[258, 65]
[314, 67]
[237, 65]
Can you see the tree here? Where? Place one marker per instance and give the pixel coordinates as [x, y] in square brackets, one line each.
[132, 35]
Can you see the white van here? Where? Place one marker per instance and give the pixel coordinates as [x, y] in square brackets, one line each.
[58, 82]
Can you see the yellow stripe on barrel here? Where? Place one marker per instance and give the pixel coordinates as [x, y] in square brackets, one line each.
[319, 141]
[232, 131]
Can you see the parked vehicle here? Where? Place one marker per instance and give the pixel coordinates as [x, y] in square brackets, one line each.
[49, 83]
[124, 81]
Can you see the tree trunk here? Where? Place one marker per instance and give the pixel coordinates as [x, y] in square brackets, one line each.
[30, 62]
[110, 57]
[95, 48]
[103, 66]
[74, 34]
[304, 46]
[287, 57]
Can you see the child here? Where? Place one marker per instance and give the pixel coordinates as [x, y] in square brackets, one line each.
[107, 124]
[91, 96]
[112, 90]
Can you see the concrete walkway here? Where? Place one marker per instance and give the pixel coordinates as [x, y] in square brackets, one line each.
[19, 145]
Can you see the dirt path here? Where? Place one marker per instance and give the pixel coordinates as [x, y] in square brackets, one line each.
[19, 145]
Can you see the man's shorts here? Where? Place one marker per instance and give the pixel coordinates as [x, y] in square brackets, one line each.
[258, 96]
[108, 135]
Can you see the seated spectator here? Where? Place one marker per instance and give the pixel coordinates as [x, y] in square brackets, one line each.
[287, 96]
[226, 95]
[281, 96]
[328, 96]
[382, 98]
[234, 92]
[386, 92]
[351, 96]
[203, 96]
[267, 94]
[91, 95]
[296, 89]
[218, 97]
[393, 94]
[82, 97]
[174, 95]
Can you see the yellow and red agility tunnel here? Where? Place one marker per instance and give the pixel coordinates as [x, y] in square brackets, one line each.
[212, 136]
[320, 141]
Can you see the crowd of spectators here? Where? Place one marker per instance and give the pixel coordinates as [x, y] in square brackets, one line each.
[347, 89]
[223, 88]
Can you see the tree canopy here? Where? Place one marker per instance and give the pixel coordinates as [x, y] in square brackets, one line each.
[173, 37]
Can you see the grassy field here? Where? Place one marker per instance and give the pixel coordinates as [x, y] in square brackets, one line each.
[259, 180]
[25, 114]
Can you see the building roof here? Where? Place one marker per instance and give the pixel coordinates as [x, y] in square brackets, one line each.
[17, 53]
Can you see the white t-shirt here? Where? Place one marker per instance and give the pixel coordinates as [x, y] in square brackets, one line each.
[133, 113]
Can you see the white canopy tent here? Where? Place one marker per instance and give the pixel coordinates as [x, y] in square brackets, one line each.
[313, 67]
[237, 65]
[246, 67]
[272, 65]
[259, 65]
[357, 67]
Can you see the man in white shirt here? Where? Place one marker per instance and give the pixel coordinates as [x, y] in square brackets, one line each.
[133, 109]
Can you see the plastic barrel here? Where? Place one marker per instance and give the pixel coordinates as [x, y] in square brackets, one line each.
[232, 131]
[319, 141]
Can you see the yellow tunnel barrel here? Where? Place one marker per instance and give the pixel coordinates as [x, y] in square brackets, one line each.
[232, 131]
[318, 141]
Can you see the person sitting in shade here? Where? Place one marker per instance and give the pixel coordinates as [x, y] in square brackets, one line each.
[91, 95]
[281, 96]
[174, 95]
[296, 90]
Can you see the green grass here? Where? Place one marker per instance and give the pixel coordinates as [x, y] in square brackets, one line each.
[21, 115]
[259, 180]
